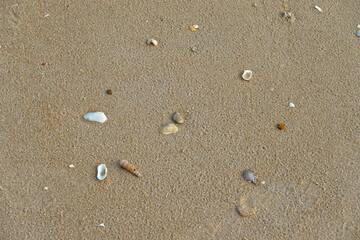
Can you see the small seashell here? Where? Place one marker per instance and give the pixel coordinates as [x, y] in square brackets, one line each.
[249, 175]
[281, 126]
[194, 27]
[46, 188]
[130, 168]
[71, 166]
[358, 26]
[167, 129]
[95, 117]
[286, 14]
[319, 9]
[178, 118]
[101, 225]
[247, 75]
[291, 105]
[152, 42]
[193, 49]
[101, 172]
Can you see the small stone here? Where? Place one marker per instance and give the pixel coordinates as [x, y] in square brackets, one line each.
[178, 118]
[193, 49]
[262, 182]
[358, 26]
[71, 166]
[101, 225]
[46, 188]
[281, 126]
[291, 105]
[167, 129]
[109, 91]
[249, 175]
[358, 33]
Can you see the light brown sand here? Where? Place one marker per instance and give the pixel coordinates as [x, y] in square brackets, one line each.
[192, 180]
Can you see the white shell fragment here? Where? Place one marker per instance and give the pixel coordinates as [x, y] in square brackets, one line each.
[152, 42]
[101, 172]
[358, 26]
[178, 118]
[291, 105]
[101, 225]
[95, 117]
[319, 9]
[249, 175]
[247, 75]
[71, 166]
[167, 129]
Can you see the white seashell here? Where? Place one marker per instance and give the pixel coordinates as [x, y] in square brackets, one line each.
[101, 172]
[358, 26]
[152, 42]
[319, 9]
[247, 75]
[167, 129]
[101, 225]
[46, 188]
[291, 105]
[95, 117]
[71, 166]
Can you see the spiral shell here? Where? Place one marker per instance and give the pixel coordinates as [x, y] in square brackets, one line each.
[130, 168]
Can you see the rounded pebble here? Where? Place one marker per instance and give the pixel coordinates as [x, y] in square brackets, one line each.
[358, 33]
[109, 91]
[281, 126]
[167, 129]
[178, 118]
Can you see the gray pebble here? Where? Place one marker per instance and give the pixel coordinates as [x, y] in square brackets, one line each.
[249, 175]
[178, 118]
[358, 33]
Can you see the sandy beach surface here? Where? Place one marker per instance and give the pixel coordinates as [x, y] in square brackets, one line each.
[58, 58]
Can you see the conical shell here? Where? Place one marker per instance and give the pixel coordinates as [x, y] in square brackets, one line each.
[95, 117]
[167, 129]
[246, 75]
[130, 168]
[101, 172]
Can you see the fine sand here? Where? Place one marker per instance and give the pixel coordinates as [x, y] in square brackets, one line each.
[58, 58]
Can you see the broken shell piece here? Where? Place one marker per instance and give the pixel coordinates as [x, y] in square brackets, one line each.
[152, 42]
[194, 27]
[247, 75]
[101, 225]
[101, 172]
[130, 168]
[319, 9]
[291, 105]
[167, 129]
[71, 166]
[95, 117]
[286, 14]
[178, 118]
[249, 175]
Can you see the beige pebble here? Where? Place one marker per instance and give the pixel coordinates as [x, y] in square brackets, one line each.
[167, 129]
[178, 118]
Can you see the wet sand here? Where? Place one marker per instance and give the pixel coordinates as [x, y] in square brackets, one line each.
[58, 67]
